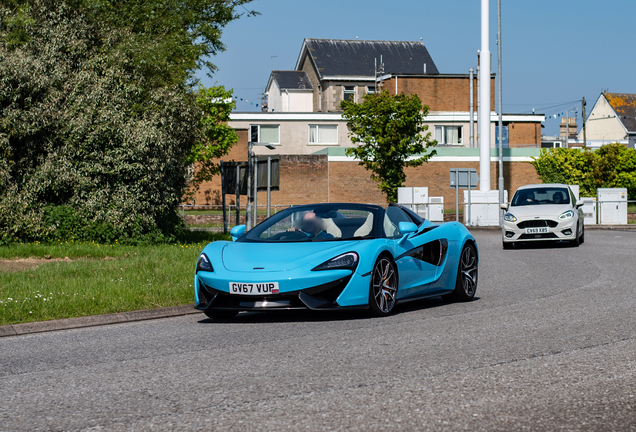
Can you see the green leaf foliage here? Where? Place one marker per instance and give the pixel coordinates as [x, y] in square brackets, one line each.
[99, 122]
[389, 132]
[611, 166]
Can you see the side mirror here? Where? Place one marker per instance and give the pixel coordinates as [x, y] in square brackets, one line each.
[504, 206]
[237, 232]
[406, 228]
[579, 203]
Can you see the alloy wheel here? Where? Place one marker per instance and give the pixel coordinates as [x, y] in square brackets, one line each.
[384, 285]
[468, 271]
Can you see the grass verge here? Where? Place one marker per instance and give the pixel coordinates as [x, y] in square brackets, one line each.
[97, 279]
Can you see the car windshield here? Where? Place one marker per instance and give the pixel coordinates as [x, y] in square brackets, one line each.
[321, 222]
[541, 195]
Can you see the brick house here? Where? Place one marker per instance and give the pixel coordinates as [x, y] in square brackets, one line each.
[333, 70]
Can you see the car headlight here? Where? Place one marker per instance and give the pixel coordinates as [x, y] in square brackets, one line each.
[566, 215]
[204, 264]
[346, 261]
[509, 217]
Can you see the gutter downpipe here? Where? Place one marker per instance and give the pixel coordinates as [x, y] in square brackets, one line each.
[472, 109]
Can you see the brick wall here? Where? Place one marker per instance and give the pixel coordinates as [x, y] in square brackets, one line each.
[440, 93]
[349, 181]
[304, 179]
[524, 133]
[311, 179]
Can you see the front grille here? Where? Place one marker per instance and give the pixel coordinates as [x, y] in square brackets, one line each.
[317, 297]
[537, 236]
[537, 223]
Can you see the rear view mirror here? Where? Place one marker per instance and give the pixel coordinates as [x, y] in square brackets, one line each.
[579, 203]
[504, 206]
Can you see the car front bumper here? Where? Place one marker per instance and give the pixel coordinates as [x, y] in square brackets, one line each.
[531, 229]
[334, 289]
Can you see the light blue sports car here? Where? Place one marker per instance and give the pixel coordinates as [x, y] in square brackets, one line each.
[336, 256]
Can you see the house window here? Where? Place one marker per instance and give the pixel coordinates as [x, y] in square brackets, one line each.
[265, 134]
[448, 134]
[370, 89]
[323, 134]
[349, 93]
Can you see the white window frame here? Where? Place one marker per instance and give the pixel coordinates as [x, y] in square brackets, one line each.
[371, 91]
[352, 92]
[443, 127]
[259, 131]
[317, 126]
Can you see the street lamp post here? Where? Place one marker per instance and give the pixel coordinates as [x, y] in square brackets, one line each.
[500, 184]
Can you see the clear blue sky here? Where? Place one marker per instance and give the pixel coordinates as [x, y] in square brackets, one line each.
[554, 51]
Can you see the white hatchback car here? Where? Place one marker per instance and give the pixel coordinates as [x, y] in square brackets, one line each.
[541, 212]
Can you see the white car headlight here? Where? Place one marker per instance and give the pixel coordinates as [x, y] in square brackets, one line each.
[509, 217]
[566, 215]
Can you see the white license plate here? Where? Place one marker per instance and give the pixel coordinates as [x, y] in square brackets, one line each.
[536, 230]
[253, 288]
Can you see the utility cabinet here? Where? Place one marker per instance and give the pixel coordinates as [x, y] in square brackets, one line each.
[414, 198]
[436, 209]
[612, 206]
[589, 211]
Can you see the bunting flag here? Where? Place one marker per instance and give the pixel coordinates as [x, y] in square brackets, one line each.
[245, 100]
[593, 116]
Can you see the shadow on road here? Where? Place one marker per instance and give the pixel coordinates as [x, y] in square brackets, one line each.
[327, 315]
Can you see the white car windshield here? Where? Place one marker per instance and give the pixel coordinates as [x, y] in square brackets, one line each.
[541, 195]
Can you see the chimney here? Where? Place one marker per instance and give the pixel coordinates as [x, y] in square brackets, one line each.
[572, 127]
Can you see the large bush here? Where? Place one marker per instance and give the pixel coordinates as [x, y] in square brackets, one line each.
[611, 166]
[99, 120]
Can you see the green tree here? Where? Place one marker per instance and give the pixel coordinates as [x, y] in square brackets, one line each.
[388, 132]
[97, 129]
[613, 165]
[166, 40]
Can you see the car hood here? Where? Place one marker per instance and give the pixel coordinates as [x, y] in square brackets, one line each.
[246, 257]
[542, 211]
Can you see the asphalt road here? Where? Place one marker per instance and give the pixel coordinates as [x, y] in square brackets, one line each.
[549, 344]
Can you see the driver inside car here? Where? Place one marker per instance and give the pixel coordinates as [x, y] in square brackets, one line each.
[313, 226]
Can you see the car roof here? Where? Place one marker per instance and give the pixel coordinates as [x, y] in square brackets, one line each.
[540, 185]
